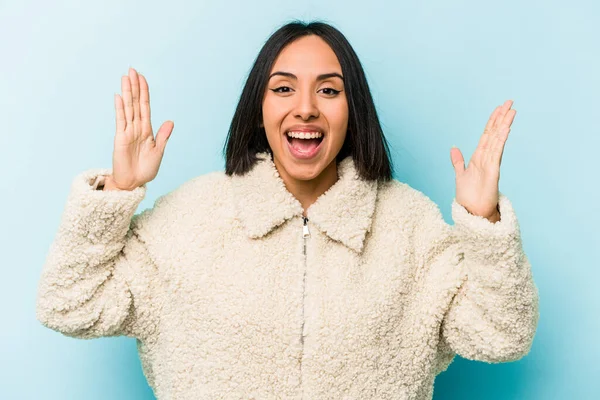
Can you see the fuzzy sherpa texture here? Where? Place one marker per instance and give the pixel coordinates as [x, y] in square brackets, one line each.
[214, 284]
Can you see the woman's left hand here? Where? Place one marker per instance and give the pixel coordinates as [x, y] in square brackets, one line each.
[477, 185]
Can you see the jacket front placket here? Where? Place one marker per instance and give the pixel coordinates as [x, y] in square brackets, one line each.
[305, 240]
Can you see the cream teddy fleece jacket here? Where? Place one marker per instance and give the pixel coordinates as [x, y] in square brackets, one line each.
[232, 294]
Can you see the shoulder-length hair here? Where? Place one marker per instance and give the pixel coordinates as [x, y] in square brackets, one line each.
[365, 140]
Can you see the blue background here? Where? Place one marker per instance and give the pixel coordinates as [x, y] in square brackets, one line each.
[436, 70]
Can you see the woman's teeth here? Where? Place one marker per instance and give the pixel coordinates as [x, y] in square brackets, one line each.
[305, 135]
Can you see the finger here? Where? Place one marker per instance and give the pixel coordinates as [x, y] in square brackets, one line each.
[121, 122]
[492, 120]
[502, 136]
[503, 110]
[164, 132]
[126, 90]
[501, 133]
[482, 146]
[484, 140]
[135, 93]
[508, 120]
[144, 100]
[495, 141]
[458, 161]
[495, 156]
[145, 107]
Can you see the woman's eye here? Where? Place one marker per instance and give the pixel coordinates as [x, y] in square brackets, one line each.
[278, 90]
[287, 89]
[331, 91]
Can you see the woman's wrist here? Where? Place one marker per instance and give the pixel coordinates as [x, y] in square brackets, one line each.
[109, 183]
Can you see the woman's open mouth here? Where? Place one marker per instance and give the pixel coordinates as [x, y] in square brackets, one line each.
[304, 144]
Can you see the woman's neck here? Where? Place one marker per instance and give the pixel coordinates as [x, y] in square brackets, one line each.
[307, 191]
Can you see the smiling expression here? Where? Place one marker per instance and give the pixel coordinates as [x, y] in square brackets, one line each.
[305, 93]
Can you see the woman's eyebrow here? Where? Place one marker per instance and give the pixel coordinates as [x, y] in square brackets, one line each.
[319, 78]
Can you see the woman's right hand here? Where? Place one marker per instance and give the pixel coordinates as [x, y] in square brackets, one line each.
[137, 155]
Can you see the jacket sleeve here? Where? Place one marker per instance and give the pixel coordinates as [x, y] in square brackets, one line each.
[98, 278]
[494, 314]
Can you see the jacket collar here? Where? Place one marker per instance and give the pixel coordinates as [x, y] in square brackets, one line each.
[343, 212]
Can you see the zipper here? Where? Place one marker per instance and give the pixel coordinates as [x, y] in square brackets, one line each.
[305, 234]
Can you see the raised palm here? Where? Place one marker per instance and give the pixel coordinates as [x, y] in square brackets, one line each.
[477, 187]
[137, 153]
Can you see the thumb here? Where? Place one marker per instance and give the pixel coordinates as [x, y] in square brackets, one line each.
[457, 160]
[164, 132]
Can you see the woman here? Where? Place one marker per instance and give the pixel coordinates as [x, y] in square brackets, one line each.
[304, 271]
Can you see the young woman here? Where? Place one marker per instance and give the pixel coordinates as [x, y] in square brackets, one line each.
[303, 271]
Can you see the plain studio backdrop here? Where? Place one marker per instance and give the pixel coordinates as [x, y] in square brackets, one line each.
[437, 69]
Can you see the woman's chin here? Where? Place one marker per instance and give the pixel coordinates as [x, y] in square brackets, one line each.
[301, 169]
[302, 176]
[304, 172]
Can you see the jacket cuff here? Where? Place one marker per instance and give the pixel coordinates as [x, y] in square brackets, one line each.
[100, 215]
[491, 247]
[479, 228]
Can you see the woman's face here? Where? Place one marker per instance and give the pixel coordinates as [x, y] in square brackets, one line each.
[305, 96]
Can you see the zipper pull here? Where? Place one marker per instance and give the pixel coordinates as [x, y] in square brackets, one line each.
[305, 232]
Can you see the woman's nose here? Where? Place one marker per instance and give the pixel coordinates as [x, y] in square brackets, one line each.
[306, 106]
